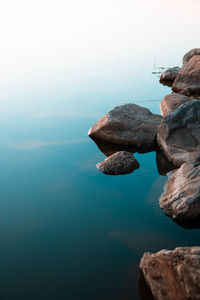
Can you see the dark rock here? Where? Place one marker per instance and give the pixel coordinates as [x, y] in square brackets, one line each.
[128, 125]
[190, 54]
[120, 163]
[168, 76]
[188, 79]
[179, 134]
[164, 166]
[181, 197]
[171, 102]
[173, 274]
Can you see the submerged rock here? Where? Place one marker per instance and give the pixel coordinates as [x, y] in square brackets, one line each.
[179, 134]
[172, 101]
[128, 125]
[190, 54]
[167, 77]
[188, 79]
[173, 274]
[181, 197]
[120, 163]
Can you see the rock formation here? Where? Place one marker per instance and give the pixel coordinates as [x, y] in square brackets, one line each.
[172, 101]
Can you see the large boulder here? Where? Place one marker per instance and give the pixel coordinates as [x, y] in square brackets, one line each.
[168, 76]
[173, 274]
[128, 125]
[172, 101]
[181, 197]
[179, 134]
[188, 80]
[120, 163]
[190, 54]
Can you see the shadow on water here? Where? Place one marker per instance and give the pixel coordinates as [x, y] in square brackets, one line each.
[190, 224]
[163, 164]
[144, 290]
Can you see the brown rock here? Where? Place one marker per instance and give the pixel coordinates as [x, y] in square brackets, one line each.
[128, 125]
[173, 275]
[120, 163]
[190, 54]
[167, 77]
[164, 166]
[181, 197]
[188, 79]
[179, 134]
[171, 102]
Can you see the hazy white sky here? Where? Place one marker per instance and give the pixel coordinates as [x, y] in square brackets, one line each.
[43, 37]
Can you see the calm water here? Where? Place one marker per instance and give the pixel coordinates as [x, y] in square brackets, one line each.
[67, 231]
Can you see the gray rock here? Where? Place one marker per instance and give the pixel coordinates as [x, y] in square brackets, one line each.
[188, 80]
[190, 54]
[120, 163]
[181, 197]
[173, 274]
[168, 76]
[179, 134]
[172, 102]
[128, 125]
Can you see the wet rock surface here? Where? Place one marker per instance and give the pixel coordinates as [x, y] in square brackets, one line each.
[120, 163]
[168, 76]
[179, 134]
[190, 54]
[171, 102]
[188, 79]
[181, 197]
[128, 125]
[173, 275]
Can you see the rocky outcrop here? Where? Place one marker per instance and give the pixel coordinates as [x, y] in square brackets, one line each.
[188, 79]
[168, 76]
[173, 275]
[120, 163]
[181, 197]
[179, 134]
[172, 101]
[128, 125]
[190, 54]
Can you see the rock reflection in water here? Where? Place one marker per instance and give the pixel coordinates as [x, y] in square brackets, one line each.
[144, 290]
[163, 164]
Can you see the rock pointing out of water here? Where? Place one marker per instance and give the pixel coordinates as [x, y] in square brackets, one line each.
[190, 54]
[128, 125]
[172, 101]
[173, 275]
[181, 197]
[188, 79]
[179, 134]
[120, 163]
[167, 77]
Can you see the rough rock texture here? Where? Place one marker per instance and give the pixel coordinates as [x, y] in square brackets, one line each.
[171, 102]
[179, 134]
[173, 275]
[128, 125]
[181, 197]
[188, 79]
[190, 54]
[120, 163]
[167, 77]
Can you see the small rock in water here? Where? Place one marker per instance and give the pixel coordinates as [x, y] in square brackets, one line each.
[171, 102]
[188, 80]
[181, 197]
[167, 77]
[179, 134]
[173, 274]
[120, 163]
[190, 54]
[128, 125]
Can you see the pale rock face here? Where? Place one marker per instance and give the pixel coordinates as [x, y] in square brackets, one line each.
[173, 275]
[188, 80]
[128, 125]
[190, 54]
[120, 163]
[181, 197]
[171, 102]
[179, 134]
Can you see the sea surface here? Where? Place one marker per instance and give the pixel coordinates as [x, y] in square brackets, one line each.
[67, 231]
